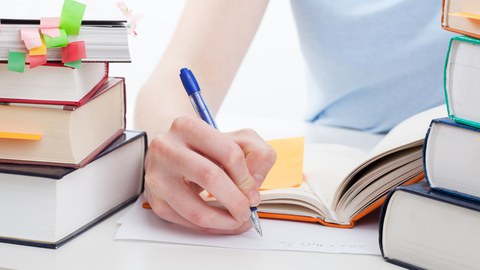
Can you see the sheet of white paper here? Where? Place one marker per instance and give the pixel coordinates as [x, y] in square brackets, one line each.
[143, 224]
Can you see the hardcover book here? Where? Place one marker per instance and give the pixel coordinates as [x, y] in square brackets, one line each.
[462, 76]
[424, 229]
[62, 135]
[47, 206]
[461, 16]
[52, 84]
[450, 157]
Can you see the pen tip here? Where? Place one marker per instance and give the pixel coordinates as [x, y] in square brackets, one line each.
[256, 221]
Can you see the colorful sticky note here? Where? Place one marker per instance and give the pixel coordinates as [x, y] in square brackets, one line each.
[71, 17]
[16, 61]
[31, 37]
[60, 41]
[20, 136]
[73, 52]
[49, 26]
[74, 64]
[36, 60]
[467, 15]
[287, 171]
[41, 50]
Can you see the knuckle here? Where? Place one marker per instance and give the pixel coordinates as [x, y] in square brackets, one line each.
[208, 176]
[158, 146]
[198, 218]
[269, 155]
[182, 123]
[247, 132]
[234, 156]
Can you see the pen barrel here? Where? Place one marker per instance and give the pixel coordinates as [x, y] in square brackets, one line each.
[201, 108]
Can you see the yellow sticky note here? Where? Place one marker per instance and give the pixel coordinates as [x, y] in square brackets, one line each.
[288, 169]
[20, 136]
[467, 15]
[40, 50]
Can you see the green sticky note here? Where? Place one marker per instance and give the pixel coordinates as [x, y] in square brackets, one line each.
[73, 64]
[71, 17]
[60, 41]
[16, 61]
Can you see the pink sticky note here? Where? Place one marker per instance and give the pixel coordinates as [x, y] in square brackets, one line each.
[49, 26]
[36, 60]
[51, 32]
[49, 22]
[31, 37]
[73, 51]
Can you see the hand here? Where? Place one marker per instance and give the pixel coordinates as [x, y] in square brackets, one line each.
[192, 157]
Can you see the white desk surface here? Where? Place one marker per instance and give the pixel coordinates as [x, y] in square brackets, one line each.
[97, 249]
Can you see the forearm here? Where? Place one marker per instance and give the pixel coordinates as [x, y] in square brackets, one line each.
[211, 39]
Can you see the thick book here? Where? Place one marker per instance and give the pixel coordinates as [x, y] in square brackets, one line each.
[47, 206]
[450, 157]
[105, 40]
[52, 84]
[461, 16]
[62, 135]
[343, 184]
[462, 76]
[424, 229]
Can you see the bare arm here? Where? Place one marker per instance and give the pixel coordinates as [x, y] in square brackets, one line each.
[211, 39]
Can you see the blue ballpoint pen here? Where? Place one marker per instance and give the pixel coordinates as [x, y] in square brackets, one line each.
[193, 90]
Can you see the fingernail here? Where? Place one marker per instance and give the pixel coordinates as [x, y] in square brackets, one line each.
[254, 198]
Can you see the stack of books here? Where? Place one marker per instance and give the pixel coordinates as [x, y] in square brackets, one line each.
[434, 224]
[66, 160]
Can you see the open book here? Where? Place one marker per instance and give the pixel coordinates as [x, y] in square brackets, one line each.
[343, 184]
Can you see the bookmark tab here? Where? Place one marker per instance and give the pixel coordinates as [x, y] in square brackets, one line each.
[16, 61]
[36, 60]
[49, 26]
[466, 15]
[73, 52]
[20, 136]
[287, 171]
[71, 17]
[60, 41]
[74, 64]
[31, 37]
[41, 50]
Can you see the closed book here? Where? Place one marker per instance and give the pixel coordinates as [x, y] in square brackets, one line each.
[105, 40]
[424, 229]
[52, 84]
[46, 206]
[451, 157]
[461, 16]
[59, 134]
[462, 77]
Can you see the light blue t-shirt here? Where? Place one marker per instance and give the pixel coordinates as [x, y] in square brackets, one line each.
[371, 63]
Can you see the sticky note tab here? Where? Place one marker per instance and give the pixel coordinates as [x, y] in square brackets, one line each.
[60, 41]
[71, 17]
[74, 64]
[288, 169]
[31, 37]
[466, 15]
[16, 61]
[20, 136]
[49, 26]
[41, 50]
[73, 52]
[36, 60]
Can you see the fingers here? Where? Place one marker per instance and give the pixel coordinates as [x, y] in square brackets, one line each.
[193, 157]
[223, 151]
[260, 156]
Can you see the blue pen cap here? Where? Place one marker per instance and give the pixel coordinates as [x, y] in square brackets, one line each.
[189, 82]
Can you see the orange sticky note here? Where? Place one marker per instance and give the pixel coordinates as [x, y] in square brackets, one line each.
[288, 169]
[467, 15]
[20, 136]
